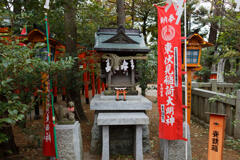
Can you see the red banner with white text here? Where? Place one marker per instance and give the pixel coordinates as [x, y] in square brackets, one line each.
[48, 141]
[169, 74]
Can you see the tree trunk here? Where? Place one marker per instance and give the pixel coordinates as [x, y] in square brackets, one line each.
[144, 28]
[216, 9]
[70, 28]
[120, 13]
[17, 6]
[220, 71]
[73, 88]
[133, 13]
[213, 33]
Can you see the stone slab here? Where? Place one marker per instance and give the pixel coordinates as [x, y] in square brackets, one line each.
[102, 102]
[132, 118]
[175, 149]
[69, 141]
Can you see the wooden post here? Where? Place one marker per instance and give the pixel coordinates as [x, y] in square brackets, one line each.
[189, 88]
[237, 117]
[229, 121]
[93, 83]
[133, 79]
[55, 89]
[133, 76]
[103, 87]
[44, 86]
[63, 93]
[85, 81]
[109, 80]
[216, 136]
[99, 85]
[214, 84]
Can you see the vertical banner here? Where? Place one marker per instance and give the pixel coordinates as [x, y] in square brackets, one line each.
[48, 141]
[169, 73]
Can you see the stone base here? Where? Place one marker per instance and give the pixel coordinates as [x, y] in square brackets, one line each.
[121, 139]
[69, 141]
[175, 149]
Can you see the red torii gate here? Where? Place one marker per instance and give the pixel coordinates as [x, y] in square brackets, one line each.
[88, 59]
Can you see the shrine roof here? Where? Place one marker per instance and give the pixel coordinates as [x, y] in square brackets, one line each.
[112, 40]
[196, 38]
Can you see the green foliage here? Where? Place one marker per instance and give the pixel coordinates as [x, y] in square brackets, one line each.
[233, 143]
[214, 99]
[144, 75]
[21, 70]
[232, 76]
[203, 74]
[91, 16]
[207, 59]
[230, 36]
[196, 18]
[147, 70]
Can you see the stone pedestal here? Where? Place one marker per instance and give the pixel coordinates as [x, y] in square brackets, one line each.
[69, 141]
[175, 149]
[121, 137]
[135, 119]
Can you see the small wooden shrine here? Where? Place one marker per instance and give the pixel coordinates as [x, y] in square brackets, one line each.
[120, 48]
[36, 36]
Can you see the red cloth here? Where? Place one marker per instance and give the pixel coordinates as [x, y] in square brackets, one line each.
[24, 31]
[169, 75]
[22, 44]
[48, 141]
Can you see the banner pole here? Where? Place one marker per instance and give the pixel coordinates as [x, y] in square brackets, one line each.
[185, 65]
[50, 89]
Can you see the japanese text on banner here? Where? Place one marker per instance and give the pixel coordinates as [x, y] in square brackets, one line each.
[169, 73]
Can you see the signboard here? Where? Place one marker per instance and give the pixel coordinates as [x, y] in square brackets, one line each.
[216, 136]
[169, 72]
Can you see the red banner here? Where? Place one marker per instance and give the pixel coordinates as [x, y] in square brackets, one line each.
[48, 141]
[169, 74]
